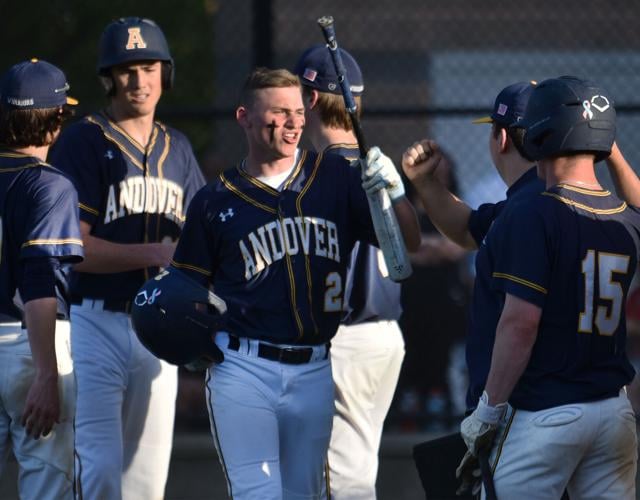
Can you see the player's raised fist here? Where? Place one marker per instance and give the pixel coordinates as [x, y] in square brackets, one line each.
[421, 159]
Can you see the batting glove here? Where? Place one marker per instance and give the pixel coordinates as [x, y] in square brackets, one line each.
[378, 172]
[469, 474]
[479, 429]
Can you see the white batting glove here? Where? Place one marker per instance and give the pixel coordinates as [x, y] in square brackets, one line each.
[479, 429]
[378, 172]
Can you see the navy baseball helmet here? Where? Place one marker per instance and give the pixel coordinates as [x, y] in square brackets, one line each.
[131, 39]
[568, 115]
[316, 70]
[176, 318]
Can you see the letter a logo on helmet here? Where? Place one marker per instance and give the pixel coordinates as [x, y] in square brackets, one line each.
[135, 40]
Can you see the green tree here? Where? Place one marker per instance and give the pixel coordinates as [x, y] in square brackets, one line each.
[66, 33]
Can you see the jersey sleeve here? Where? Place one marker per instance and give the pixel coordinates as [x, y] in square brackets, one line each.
[480, 220]
[51, 222]
[194, 253]
[522, 257]
[78, 153]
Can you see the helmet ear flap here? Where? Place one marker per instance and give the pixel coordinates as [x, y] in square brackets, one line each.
[168, 74]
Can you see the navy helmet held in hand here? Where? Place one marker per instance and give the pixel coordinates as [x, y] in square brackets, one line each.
[176, 318]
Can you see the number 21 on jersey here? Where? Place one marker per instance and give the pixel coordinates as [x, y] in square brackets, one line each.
[603, 265]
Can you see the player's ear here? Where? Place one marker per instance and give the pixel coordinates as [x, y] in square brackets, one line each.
[242, 116]
[312, 98]
[503, 140]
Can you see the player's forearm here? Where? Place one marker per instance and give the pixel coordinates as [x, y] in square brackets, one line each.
[449, 214]
[40, 317]
[102, 256]
[408, 221]
[624, 178]
[515, 336]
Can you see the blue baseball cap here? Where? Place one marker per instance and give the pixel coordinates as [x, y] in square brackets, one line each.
[315, 69]
[34, 84]
[510, 104]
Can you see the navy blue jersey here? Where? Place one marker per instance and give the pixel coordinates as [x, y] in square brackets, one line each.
[38, 219]
[278, 258]
[127, 193]
[370, 295]
[481, 218]
[486, 306]
[573, 252]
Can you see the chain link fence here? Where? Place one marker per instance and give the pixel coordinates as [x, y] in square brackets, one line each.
[430, 67]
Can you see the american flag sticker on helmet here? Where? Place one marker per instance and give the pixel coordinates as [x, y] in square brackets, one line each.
[310, 74]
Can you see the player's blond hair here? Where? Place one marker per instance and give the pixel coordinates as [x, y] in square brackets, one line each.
[331, 107]
[264, 78]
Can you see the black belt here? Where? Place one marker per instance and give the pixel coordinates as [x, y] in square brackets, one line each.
[112, 305]
[287, 355]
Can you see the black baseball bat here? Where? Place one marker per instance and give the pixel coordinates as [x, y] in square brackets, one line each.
[326, 24]
[384, 219]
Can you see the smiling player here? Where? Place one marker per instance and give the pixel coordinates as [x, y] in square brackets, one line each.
[135, 177]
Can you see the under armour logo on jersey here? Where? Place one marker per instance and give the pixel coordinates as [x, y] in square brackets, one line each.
[143, 299]
[135, 40]
[109, 154]
[223, 215]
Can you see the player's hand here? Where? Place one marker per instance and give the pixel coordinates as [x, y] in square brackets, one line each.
[42, 407]
[162, 253]
[469, 474]
[479, 429]
[378, 172]
[421, 160]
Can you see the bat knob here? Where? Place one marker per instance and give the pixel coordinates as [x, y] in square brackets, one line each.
[325, 21]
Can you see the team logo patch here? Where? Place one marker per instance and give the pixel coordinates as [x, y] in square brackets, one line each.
[502, 109]
[109, 155]
[135, 40]
[332, 86]
[224, 215]
[598, 102]
[142, 299]
[310, 74]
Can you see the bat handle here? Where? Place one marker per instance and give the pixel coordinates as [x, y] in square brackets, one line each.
[487, 475]
[329, 32]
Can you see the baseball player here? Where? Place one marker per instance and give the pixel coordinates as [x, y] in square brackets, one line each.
[273, 236]
[469, 227]
[40, 239]
[368, 349]
[562, 262]
[135, 177]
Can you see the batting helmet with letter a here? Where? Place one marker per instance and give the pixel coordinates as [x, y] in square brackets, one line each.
[176, 318]
[568, 115]
[131, 39]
